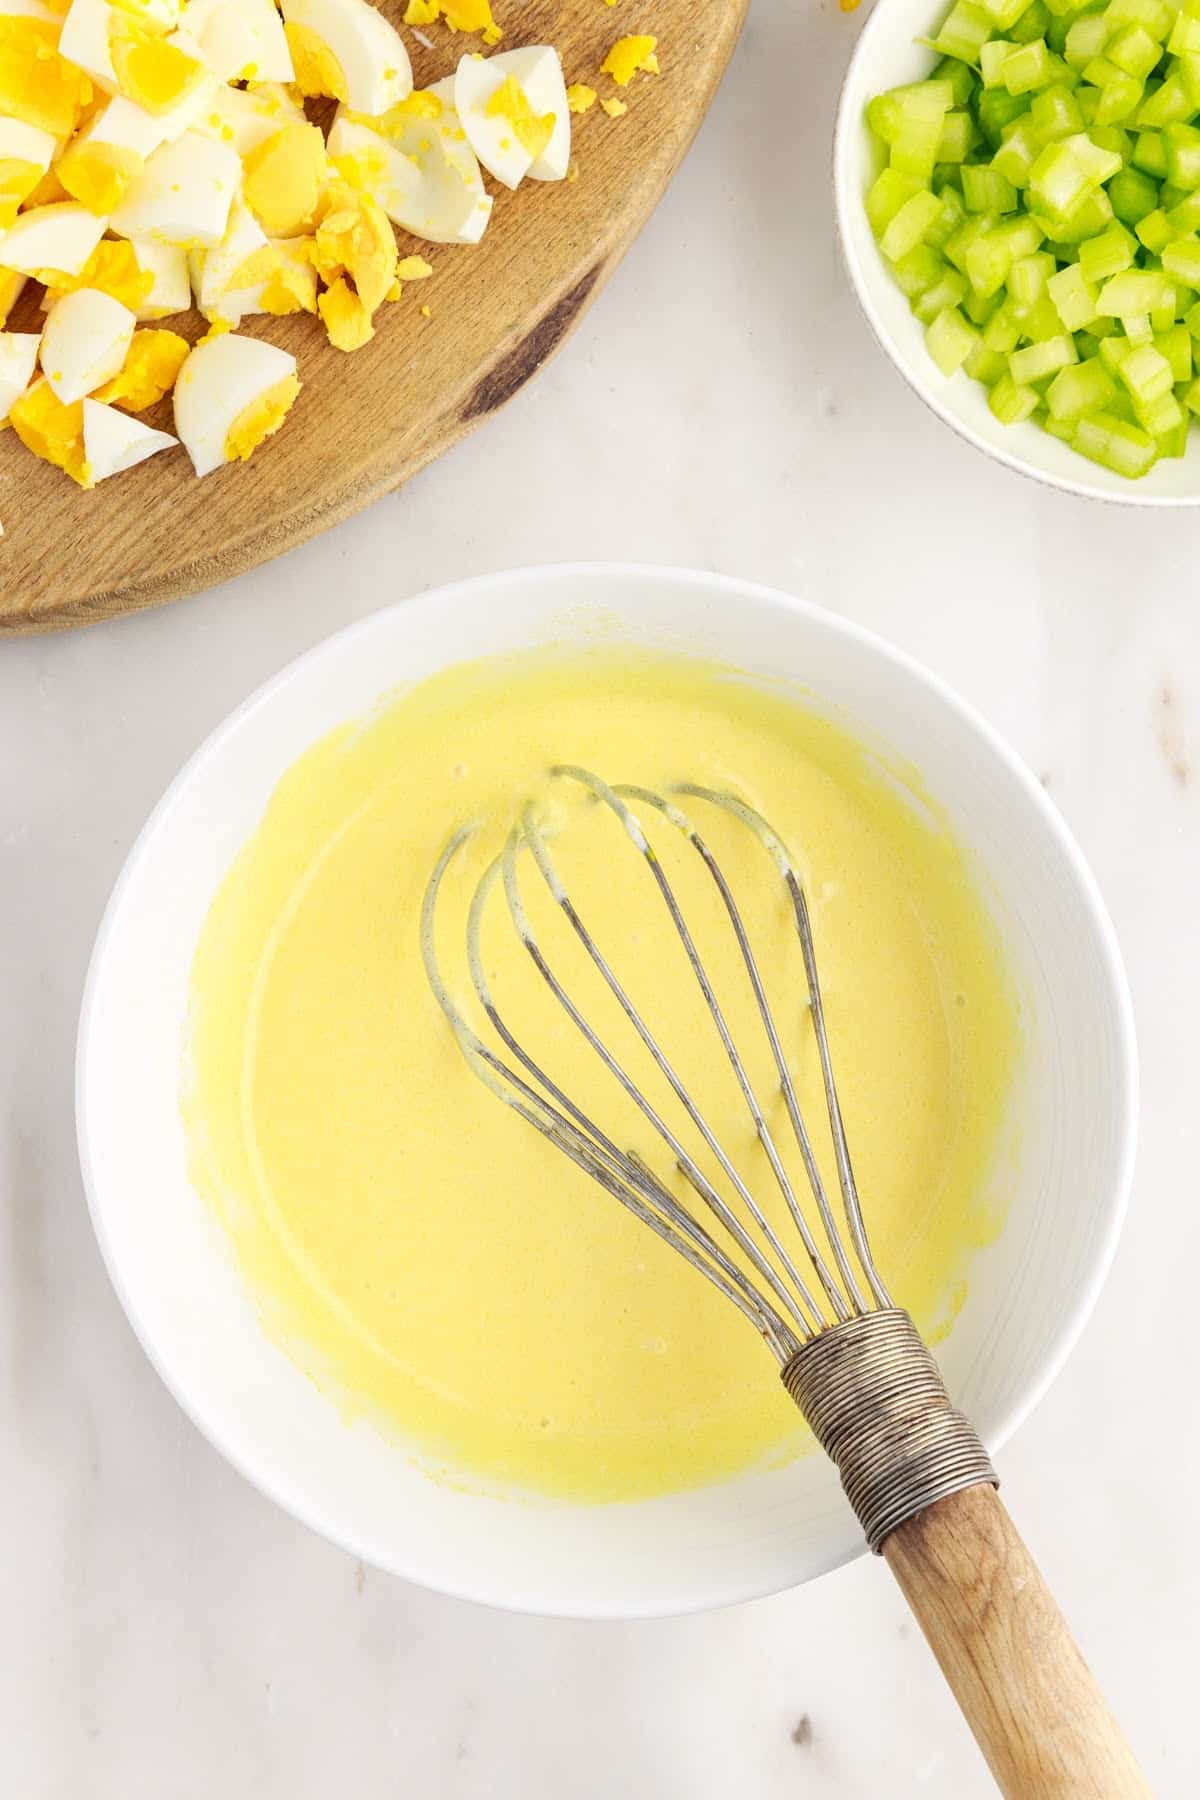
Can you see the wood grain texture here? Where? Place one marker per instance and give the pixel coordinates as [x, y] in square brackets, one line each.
[1006, 1651]
[365, 423]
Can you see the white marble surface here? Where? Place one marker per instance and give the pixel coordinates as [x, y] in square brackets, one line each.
[165, 1634]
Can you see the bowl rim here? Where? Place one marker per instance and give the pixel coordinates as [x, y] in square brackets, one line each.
[848, 202]
[726, 589]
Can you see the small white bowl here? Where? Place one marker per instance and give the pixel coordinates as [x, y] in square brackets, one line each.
[885, 56]
[1065, 1170]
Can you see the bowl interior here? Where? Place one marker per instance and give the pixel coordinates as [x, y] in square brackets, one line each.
[1063, 1174]
[887, 55]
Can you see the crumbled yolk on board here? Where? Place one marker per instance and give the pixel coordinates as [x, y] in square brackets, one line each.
[629, 55]
[459, 15]
[580, 96]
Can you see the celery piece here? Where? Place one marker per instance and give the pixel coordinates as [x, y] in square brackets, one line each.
[1170, 196]
[1185, 36]
[1107, 254]
[985, 365]
[1149, 155]
[950, 339]
[1181, 261]
[1113, 351]
[1106, 439]
[886, 195]
[1032, 24]
[973, 227]
[1112, 137]
[1074, 297]
[988, 261]
[964, 31]
[1085, 387]
[1010, 402]
[1089, 99]
[1133, 195]
[1040, 322]
[1133, 51]
[1054, 114]
[1057, 428]
[960, 77]
[949, 291]
[1028, 68]
[1018, 153]
[1120, 98]
[1138, 329]
[1146, 374]
[1099, 328]
[1163, 317]
[1067, 171]
[957, 139]
[1002, 333]
[1154, 231]
[917, 272]
[1155, 15]
[1183, 218]
[1003, 13]
[1087, 39]
[952, 215]
[908, 227]
[1132, 291]
[997, 108]
[1159, 415]
[1087, 219]
[986, 190]
[1028, 277]
[992, 58]
[1037, 361]
[980, 307]
[1192, 398]
[1191, 319]
[888, 114]
[914, 150]
[1169, 103]
[1181, 146]
[1176, 345]
[1173, 443]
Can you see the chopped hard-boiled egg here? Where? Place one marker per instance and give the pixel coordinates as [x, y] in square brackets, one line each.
[231, 394]
[37, 83]
[86, 340]
[51, 429]
[113, 442]
[244, 117]
[170, 290]
[113, 268]
[460, 15]
[629, 55]
[25, 155]
[183, 195]
[150, 370]
[513, 108]
[84, 40]
[241, 40]
[284, 177]
[12, 285]
[347, 50]
[59, 238]
[18, 360]
[448, 203]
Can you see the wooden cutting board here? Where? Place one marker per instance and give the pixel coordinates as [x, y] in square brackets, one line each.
[366, 422]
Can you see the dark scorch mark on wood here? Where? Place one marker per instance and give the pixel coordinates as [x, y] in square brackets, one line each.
[502, 382]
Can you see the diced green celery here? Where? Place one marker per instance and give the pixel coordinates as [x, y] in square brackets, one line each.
[958, 137]
[1106, 439]
[914, 151]
[1113, 351]
[1085, 387]
[1089, 99]
[1187, 68]
[1132, 291]
[950, 339]
[1170, 196]
[988, 261]
[888, 114]
[1031, 25]
[1067, 171]
[1155, 15]
[1002, 333]
[1149, 155]
[1181, 261]
[1074, 297]
[1027, 68]
[1057, 428]
[1017, 153]
[973, 227]
[1184, 217]
[986, 190]
[1102, 328]
[1010, 402]
[964, 31]
[910, 224]
[980, 307]
[886, 195]
[1112, 137]
[1120, 97]
[1163, 317]
[1191, 319]
[949, 291]
[1003, 13]
[952, 215]
[1122, 408]
[984, 365]
[1085, 220]
[1185, 36]
[1146, 374]
[1173, 443]
[1159, 415]
[1028, 277]
[1133, 195]
[997, 108]
[1055, 114]
[1087, 39]
[1133, 51]
[1107, 254]
[1154, 231]
[1176, 346]
[1181, 146]
[1040, 322]
[992, 58]
[1037, 361]
[1192, 398]
[960, 77]
[1138, 329]
[917, 272]
[1167, 104]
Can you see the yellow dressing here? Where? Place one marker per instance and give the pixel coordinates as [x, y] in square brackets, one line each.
[417, 1247]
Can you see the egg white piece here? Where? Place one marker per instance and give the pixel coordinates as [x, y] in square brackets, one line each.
[114, 442]
[219, 380]
[18, 360]
[61, 236]
[236, 304]
[451, 205]
[183, 195]
[84, 40]
[242, 40]
[172, 290]
[378, 166]
[537, 71]
[25, 143]
[214, 271]
[490, 135]
[155, 15]
[368, 49]
[131, 127]
[30, 9]
[85, 343]
[247, 117]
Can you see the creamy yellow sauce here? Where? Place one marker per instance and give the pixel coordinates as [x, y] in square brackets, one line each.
[417, 1248]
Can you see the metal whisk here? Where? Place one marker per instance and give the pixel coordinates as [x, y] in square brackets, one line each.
[913, 1467]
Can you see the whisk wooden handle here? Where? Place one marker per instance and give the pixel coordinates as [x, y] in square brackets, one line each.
[1008, 1655]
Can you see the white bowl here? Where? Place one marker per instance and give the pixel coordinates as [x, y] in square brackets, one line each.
[1067, 1167]
[887, 55]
